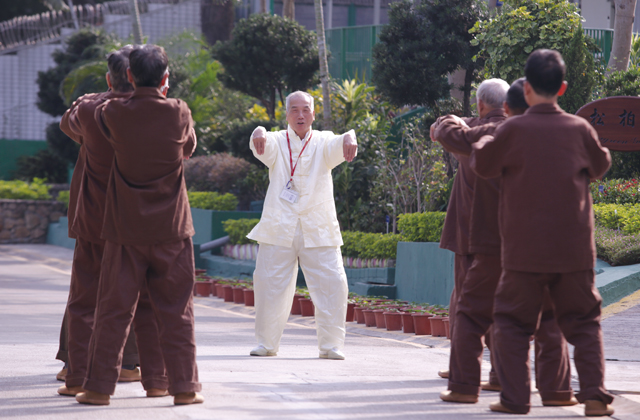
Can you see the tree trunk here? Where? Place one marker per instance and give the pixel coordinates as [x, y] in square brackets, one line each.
[289, 9]
[135, 18]
[217, 19]
[263, 6]
[466, 91]
[622, 34]
[324, 67]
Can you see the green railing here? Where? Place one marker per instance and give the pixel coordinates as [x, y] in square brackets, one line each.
[604, 40]
[350, 49]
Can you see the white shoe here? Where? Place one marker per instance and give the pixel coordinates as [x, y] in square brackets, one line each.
[261, 351]
[334, 354]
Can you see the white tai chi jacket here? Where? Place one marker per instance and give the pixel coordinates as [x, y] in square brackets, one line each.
[315, 208]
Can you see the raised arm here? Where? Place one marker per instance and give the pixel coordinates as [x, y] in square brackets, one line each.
[264, 146]
[70, 124]
[598, 157]
[456, 136]
[487, 155]
[338, 148]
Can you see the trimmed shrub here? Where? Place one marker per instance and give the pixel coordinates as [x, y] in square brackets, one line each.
[220, 172]
[421, 227]
[239, 229]
[20, 190]
[63, 197]
[370, 245]
[617, 248]
[625, 218]
[212, 201]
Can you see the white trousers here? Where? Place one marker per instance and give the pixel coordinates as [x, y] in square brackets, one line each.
[274, 282]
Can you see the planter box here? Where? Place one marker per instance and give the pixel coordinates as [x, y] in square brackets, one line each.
[424, 273]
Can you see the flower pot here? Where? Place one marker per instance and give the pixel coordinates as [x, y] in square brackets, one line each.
[393, 321]
[227, 293]
[447, 327]
[351, 312]
[437, 326]
[306, 307]
[295, 306]
[200, 271]
[369, 317]
[421, 324]
[379, 315]
[219, 290]
[248, 297]
[203, 288]
[238, 294]
[214, 291]
[407, 323]
[359, 316]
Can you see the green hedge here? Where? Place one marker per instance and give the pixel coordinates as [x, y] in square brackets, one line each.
[421, 227]
[370, 245]
[239, 229]
[63, 197]
[625, 218]
[617, 248]
[20, 190]
[212, 201]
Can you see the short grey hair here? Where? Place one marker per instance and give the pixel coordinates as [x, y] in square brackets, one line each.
[299, 93]
[493, 92]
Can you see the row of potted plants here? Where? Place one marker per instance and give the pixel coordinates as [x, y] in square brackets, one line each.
[393, 315]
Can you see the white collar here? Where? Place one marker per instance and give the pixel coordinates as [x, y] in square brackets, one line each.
[294, 136]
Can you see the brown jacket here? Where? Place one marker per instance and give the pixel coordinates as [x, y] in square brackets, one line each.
[91, 174]
[545, 160]
[147, 198]
[456, 230]
[484, 233]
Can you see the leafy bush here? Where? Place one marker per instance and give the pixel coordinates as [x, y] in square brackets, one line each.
[239, 229]
[617, 248]
[621, 217]
[421, 227]
[369, 245]
[615, 191]
[63, 197]
[623, 83]
[20, 190]
[212, 201]
[220, 172]
[236, 137]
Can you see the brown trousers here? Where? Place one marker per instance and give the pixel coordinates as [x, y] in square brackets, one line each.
[474, 317]
[81, 306]
[167, 272]
[517, 307]
[461, 265]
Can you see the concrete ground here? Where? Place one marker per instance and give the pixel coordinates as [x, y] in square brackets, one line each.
[386, 375]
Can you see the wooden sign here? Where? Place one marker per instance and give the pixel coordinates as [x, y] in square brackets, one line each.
[614, 119]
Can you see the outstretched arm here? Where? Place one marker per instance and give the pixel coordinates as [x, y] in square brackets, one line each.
[340, 148]
[264, 146]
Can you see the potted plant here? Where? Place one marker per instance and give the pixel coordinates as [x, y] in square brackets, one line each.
[249, 298]
[421, 323]
[351, 310]
[226, 290]
[203, 285]
[295, 306]
[393, 319]
[437, 325]
[447, 327]
[238, 292]
[378, 313]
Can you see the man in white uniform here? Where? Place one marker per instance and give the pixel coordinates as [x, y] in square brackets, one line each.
[299, 224]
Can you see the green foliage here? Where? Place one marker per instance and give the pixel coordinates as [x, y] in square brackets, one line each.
[20, 190]
[423, 43]
[354, 102]
[615, 191]
[237, 134]
[623, 83]
[625, 218]
[44, 164]
[63, 197]
[87, 78]
[239, 229]
[369, 245]
[212, 201]
[268, 53]
[617, 248]
[506, 41]
[421, 227]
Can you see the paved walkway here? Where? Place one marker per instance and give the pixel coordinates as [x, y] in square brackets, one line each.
[386, 375]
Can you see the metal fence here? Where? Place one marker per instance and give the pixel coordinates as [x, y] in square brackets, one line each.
[351, 51]
[604, 40]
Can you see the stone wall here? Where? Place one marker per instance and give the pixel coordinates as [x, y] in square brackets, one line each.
[26, 221]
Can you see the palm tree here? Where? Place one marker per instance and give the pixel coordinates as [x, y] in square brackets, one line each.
[324, 67]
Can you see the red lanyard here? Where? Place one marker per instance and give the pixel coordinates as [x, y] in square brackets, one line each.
[293, 168]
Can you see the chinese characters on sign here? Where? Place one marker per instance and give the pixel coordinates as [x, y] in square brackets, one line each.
[627, 118]
[595, 118]
[614, 119]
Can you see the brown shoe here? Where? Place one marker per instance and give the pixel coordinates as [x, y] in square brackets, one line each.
[443, 374]
[62, 375]
[488, 386]
[450, 396]
[93, 398]
[129, 375]
[157, 392]
[559, 403]
[70, 391]
[497, 406]
[594, 408]
[185, 398]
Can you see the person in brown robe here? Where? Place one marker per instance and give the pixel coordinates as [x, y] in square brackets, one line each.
[545, 160]
[147, 231]
[474, 313]
[86, 212]
[455, 233]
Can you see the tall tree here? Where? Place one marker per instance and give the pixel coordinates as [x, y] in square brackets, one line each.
[266, 56]
[420, 46]
[217, 18]
[622, 35]
[289, 9]
[324, 66]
